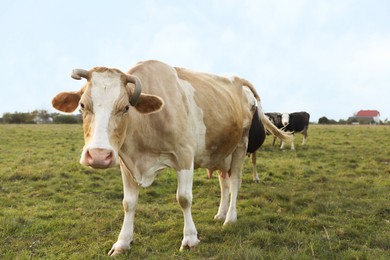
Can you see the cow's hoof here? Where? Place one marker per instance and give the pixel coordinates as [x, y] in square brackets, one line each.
[230, 218]
[118, 249]
[184, 247]
[219, 217]
[189, 242]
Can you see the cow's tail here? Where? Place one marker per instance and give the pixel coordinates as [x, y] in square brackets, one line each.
[271, 128]
[268, 125]
[251, 87]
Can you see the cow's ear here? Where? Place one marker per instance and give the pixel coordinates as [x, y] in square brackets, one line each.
[149, 103]
[66, 101]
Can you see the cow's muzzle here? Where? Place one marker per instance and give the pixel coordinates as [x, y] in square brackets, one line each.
[98, 158]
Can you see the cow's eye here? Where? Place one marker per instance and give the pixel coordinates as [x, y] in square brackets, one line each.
[84, 109]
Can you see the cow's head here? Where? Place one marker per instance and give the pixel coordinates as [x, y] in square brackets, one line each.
[106, 102]
[285, 119]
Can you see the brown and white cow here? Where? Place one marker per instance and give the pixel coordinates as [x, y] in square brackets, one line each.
[156, 116]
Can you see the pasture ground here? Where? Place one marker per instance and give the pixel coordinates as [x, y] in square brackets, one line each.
[329, 200]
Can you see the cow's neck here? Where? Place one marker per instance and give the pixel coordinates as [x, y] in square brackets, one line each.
[144, 174]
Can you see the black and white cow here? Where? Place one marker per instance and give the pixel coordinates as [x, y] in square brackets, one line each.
[291, 123]
[297, 122]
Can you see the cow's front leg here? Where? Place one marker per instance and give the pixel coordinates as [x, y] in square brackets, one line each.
[184, 198]
[130, 199]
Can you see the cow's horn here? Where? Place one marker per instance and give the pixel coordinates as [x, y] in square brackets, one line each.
[80, 73]
[137, 89]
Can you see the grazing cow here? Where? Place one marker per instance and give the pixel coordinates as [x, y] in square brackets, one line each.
[157, 116]
[297, 122]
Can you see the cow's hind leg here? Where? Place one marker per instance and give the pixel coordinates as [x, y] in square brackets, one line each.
[254, 170]
[184, 198]
[224, 203]
[131, 191]
[304, 137]
[238, 158]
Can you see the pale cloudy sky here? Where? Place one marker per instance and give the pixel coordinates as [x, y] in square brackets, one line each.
[328, 57]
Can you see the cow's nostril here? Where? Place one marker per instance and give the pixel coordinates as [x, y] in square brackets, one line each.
[109, 156]
[89, 156]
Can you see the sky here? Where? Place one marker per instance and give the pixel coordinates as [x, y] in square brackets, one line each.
[327, 57]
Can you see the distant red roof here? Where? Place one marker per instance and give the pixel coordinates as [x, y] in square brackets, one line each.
[368, 113]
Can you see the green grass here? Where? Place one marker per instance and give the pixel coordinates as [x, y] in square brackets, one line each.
[329, 200]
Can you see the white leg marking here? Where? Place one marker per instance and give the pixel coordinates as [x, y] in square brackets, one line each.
[231, 215]
[131, 192]
[224, 203]
[292, 143]
[254, 170]
[282, 145]
[238, 158]
[184, 197]
[304, 138]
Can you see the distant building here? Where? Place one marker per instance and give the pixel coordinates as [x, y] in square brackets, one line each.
[366, 117]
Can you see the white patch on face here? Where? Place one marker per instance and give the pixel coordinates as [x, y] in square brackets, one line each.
[285, 119]
[104, 93]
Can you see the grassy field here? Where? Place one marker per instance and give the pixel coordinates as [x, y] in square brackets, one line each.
[329, 200]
